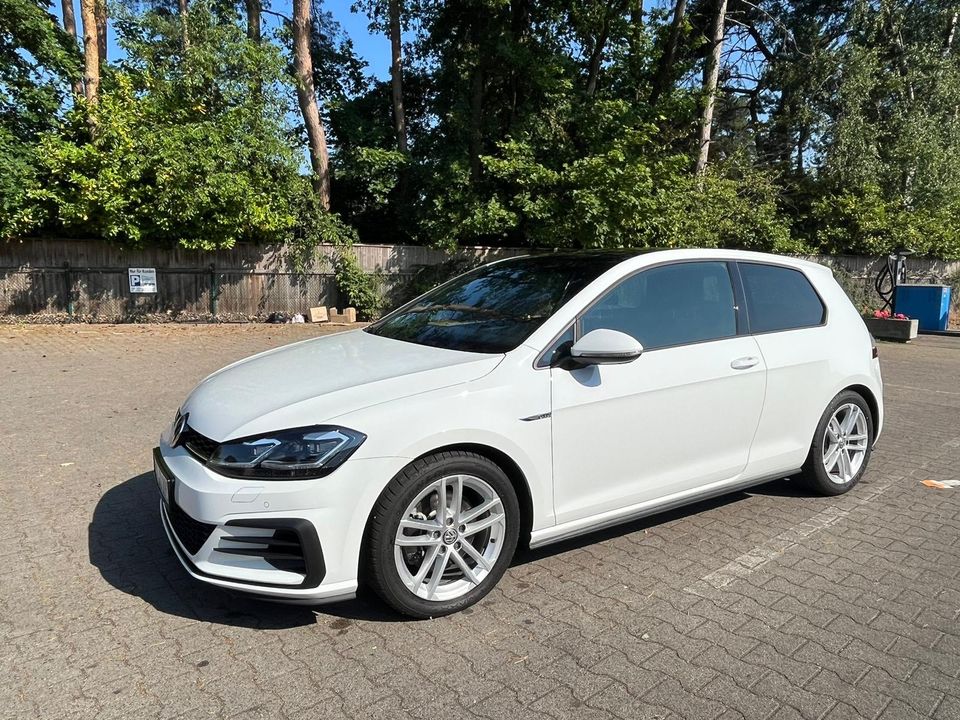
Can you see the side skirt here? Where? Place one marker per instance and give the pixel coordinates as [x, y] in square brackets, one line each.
[610, 518]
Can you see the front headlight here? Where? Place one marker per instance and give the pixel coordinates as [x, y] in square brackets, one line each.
[301, 453]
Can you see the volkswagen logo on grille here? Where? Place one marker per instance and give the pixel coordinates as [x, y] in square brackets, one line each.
[178, 425]
[449, 536]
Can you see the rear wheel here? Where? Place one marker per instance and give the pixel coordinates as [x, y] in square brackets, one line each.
[841, 446]
[442, 534]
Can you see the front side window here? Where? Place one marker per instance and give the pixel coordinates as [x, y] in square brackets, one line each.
[669, 305]
[496, 307]
[779, 298]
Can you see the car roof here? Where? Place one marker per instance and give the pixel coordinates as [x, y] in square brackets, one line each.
[640, 257]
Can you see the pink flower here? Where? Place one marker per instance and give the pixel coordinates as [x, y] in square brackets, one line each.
[881, 314]
[900, 316]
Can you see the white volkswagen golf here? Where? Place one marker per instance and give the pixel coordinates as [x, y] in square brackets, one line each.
[527, 401]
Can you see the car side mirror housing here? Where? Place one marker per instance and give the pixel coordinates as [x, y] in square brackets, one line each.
[605, 347]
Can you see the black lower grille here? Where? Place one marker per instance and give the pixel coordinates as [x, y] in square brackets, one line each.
[191, 533]
[282, 549]
[293, 545]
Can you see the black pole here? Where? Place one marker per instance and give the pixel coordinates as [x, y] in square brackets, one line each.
[68, 282]
[214, 290]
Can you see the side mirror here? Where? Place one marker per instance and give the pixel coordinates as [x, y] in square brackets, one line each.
[605, 347]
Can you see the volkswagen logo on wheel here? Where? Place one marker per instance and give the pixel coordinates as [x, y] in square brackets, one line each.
[449, 536]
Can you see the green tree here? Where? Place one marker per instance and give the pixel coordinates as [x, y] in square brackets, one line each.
[185, 151]
[38, 61]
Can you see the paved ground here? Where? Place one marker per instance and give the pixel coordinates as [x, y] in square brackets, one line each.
[765, 604]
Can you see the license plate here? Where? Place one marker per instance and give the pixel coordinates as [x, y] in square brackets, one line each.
[164, 482]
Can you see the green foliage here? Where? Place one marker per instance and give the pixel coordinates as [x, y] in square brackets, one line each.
[369, 175]
[363, 291]
[37, 62]
[37, 59]
[529, 124]
[185, 150]
[18, 178]
[620, 190]
[317, 227]
[867, 223]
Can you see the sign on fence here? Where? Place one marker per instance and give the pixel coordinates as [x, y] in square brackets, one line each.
[142, 280]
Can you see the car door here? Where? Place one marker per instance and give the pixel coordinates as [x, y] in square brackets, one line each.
[789, 321]
[680, 416]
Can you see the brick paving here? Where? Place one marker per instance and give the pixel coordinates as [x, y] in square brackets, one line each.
[765, 604]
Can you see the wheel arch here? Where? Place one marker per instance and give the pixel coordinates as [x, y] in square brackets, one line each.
[502, 460]
[871, 400]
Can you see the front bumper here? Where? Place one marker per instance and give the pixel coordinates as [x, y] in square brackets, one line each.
[297, 541]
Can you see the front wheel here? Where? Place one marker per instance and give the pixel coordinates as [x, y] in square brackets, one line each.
[841, 445]
[442, 534]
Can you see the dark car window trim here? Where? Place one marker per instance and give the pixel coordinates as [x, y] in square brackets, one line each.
[813, 286]
[578, 328]
[739, 299]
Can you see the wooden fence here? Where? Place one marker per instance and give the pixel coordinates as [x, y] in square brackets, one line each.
[57, 279]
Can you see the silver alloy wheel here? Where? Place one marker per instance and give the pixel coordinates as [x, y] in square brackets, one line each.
[845, 443]
[444, 549]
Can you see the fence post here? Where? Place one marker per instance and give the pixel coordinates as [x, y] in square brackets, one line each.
[214, 289]
[68, 283]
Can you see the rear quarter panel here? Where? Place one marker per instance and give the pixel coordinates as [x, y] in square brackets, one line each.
[806, 369]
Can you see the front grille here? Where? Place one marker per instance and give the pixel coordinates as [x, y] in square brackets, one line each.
[200, 446]
[191, 533]
[283, 549]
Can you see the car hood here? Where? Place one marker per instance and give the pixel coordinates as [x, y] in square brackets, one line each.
[314, 381]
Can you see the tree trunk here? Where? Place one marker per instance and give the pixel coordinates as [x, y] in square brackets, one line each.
[70, 26]
[100, 9]
[636, 46]
[91, 51]
[476, 122]
[307, 98]
[253, 21]
[662, 77]
[711, 73]
[184, 9]
[396, 76]
[802, 135]
[519, 31]
[951, 33]
[596, 56]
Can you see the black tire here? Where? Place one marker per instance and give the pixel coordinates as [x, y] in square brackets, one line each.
[814, 474]
[381, 568]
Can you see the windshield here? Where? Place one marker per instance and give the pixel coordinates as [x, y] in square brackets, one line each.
[496, 307]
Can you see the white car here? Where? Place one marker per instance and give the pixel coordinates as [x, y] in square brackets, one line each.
[529, 400]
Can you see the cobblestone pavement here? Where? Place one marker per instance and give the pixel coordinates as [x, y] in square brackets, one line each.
[770, 603]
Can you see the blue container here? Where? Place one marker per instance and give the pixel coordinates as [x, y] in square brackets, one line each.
[929, 304]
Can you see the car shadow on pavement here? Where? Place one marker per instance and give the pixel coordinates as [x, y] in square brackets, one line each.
[129, 547]
[127, 544]
[785, 487]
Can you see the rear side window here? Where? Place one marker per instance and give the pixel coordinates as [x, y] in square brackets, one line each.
[779, 298]
[669, 305]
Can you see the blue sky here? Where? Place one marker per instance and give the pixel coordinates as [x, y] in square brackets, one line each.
[374, 48]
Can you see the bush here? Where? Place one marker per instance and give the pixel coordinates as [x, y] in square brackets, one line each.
[363, 291]
[183, 151]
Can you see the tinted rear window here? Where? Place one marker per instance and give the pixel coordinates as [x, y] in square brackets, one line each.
[496, 307]
[779, 298]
